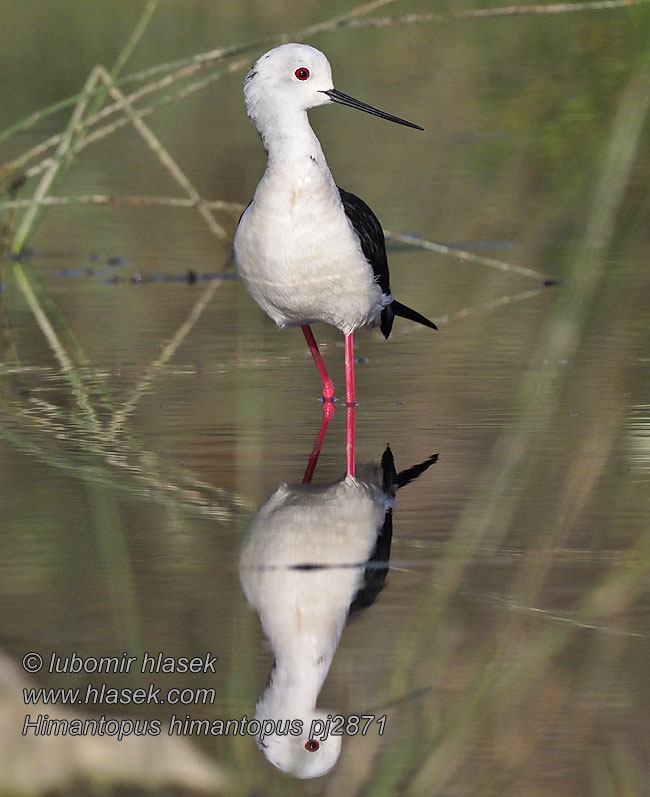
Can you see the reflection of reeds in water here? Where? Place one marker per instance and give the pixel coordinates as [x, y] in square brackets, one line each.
[508, 682]
[470, 745]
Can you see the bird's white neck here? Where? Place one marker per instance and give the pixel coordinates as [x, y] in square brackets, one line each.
[290, 141]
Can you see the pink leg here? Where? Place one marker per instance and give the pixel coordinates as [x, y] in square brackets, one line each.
[350, 393]
[328, 411]
[351, 403]
[328, 385]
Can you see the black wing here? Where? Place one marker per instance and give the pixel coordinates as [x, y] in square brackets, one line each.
[371, 236]
[373, 245]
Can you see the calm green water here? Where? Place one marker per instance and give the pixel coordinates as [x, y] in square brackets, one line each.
[509, 648]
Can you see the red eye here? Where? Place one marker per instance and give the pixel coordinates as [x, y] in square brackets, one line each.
[312, 745]
[302, 74]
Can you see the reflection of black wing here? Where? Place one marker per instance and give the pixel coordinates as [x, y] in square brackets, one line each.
[373, 245]
[376, 570]
[244, 211]
[410, 474]
[374, 576]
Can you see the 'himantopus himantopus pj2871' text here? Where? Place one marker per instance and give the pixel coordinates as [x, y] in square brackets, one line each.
[306, 249]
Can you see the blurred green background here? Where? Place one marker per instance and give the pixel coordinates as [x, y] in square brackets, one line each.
[144, 420]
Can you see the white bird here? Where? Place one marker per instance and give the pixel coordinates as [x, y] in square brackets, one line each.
[305, 249]
[314, 553]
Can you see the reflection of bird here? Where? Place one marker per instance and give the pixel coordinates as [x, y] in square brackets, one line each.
[312, 554]
[305, 249]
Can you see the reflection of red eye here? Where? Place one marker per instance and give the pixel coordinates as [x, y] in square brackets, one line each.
[311, 746]
[302, 73]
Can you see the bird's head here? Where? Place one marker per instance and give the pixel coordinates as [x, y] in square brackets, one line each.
[295, 77]
[292, 77]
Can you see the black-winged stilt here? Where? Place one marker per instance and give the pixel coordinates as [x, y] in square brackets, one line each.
[306, 249]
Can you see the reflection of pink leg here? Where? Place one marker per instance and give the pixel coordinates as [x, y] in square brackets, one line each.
[328, 385]
[351, 413]
[328, 411]
[350, 394]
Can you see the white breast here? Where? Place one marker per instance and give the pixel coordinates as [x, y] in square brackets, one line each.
[298, 255]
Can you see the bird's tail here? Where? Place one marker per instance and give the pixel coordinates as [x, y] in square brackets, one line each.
[397, 308]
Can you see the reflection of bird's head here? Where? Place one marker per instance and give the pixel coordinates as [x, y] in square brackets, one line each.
[301, 755]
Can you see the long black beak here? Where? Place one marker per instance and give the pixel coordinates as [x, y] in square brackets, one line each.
[338, 96]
